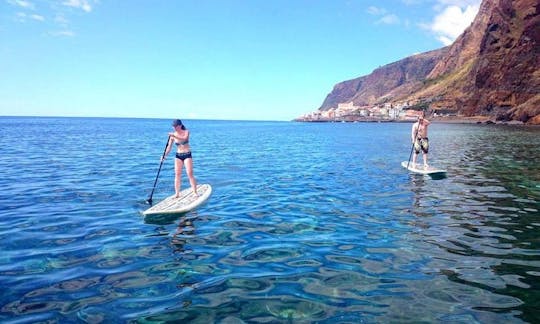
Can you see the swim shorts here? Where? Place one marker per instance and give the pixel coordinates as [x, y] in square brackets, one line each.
[421, 143]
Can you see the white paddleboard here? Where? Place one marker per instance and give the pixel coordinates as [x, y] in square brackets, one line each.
[419, 168]
[186, 202]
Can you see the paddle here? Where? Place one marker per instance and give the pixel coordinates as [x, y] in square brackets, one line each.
[412, 147]
[149, 200]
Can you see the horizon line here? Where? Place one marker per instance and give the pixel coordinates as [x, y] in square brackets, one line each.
[126, 117]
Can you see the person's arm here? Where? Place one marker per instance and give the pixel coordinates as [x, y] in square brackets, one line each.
[169, 146]
[413, 132]
[180, 138]
[183, 138]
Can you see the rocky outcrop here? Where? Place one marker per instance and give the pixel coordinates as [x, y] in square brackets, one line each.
[391, 81]
[492, 69]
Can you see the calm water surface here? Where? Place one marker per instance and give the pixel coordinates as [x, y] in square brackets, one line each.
[307, 223]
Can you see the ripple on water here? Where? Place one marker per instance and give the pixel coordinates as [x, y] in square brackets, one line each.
[337, 232]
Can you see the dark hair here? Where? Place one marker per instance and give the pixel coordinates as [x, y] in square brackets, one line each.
[178, 122]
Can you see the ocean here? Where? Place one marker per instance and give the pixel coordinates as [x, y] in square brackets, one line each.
[307, 222]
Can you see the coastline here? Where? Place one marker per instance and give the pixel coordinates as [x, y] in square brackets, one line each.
[475, 120]
[484, 120]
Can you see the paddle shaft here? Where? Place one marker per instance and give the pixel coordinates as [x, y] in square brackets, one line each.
[412, 147]
[149, 200]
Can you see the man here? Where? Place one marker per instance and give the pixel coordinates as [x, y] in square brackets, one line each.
[419, 136]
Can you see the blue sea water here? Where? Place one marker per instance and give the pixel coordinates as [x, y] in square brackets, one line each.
[308, 222]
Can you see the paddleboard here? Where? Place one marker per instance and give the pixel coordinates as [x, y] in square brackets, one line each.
[419, 168]
[185, 202]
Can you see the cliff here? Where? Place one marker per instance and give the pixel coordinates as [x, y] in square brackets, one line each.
[490, 70]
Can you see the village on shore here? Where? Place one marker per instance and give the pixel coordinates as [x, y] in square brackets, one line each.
[389, 112]
[348, 112]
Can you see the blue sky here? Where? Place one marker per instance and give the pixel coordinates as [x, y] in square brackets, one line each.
[205, 59]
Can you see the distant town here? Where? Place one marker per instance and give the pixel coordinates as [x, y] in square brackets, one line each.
[348, 112]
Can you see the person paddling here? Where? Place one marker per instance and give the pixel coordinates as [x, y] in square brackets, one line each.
[180, 138]
[419, 136]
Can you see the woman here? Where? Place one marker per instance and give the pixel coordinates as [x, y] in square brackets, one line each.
[180, 138]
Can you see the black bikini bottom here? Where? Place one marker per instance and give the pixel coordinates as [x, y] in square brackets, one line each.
[184, 155]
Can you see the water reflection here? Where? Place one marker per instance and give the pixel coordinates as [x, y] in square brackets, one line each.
[184, 231]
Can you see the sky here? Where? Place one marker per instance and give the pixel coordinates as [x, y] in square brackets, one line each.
[205, 59]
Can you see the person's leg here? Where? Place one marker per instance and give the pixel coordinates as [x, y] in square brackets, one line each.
[416, 151]
[189, 170]
[425, 150]
[178, 164]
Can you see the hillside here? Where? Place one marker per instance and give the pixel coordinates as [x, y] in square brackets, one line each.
[490, 70]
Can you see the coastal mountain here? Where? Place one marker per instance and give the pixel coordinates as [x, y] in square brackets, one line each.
[492, 70]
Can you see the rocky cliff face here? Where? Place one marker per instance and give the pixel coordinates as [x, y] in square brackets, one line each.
[389, 82]
[492, 69]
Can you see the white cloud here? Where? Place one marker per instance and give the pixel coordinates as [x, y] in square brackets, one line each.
[37, 17]
[441, 4]
[22, 4]
[453, 20]
[61, 20]
[389, 20]
[23, 17]
[81, 4]
[445, 40]
[56, 15]
[451, 17]
[412, 2]
[64, 33]
[376, 11]
[386, 18]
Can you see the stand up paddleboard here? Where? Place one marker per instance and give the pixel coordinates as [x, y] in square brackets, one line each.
[186, 202]
[419, 168]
